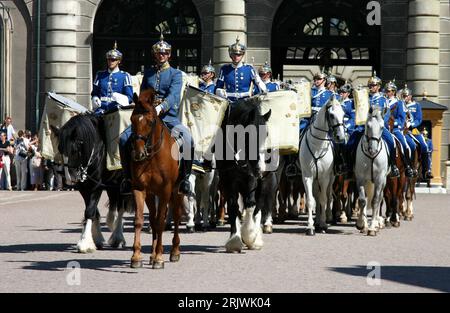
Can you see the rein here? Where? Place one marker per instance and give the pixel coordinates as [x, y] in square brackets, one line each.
[150, 149]
[372, 159]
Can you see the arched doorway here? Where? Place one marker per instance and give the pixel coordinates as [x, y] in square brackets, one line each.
[137, 24]
[332, 36]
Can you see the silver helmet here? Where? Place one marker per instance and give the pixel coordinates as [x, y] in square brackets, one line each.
[161, 46]
[114, 53]
[208, 68]
[264, 69]
[237, 48]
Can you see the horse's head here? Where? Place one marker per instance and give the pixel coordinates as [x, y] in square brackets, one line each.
[78, 140]
[334, 117]
[373, 130]
[143, 122]
[246, 132]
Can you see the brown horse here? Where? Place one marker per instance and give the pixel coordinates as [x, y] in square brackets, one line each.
[410, 192]
[395, 186]
[154, 174]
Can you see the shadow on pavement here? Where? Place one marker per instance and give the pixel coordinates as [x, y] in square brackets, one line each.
[433, 277]
[38, 247]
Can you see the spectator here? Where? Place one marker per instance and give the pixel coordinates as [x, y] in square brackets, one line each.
[7, 128]
[36, 168]
[6, 152]
[21, 145]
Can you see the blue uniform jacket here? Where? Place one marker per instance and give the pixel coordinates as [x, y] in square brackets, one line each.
[272, 86]
[105, 83]
[167, 82]
[237, 81]
[208, 88]
[319, 98]
[349, 115]
[415, 111]
[397, 108]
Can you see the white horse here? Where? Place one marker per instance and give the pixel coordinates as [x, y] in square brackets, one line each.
[317, 162]
[371, 170]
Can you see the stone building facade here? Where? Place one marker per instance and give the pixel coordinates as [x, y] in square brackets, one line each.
[58, 45]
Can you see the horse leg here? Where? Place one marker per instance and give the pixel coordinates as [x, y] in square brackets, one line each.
[151, 205]
[87, 242]
[136, 259]
[117, 237]
[361, 223]
[177, 201]
[310, 204]
[324, 209]
[234, 243]
[161, 216]
[189, 204]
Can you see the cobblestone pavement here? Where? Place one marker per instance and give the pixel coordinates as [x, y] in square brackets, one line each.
[39, 231]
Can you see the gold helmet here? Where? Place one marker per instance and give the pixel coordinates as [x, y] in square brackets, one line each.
[114, 53]
[406, 91]
[209, 68]
[391, 86]
[161, 46]
[319, 75]
[264, 69]
[237, 48]
[374, 80]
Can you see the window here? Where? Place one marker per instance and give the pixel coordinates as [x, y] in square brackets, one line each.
[137, 25]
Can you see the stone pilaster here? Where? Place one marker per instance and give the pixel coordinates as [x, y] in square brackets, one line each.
[229, 22]
[61, 51]
[423, 47]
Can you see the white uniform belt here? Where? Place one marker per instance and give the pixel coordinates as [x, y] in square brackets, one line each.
[238, 94]
[106, 99]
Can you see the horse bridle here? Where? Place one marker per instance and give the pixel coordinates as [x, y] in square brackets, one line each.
[379, 148]
[330, 126]
[150, 149]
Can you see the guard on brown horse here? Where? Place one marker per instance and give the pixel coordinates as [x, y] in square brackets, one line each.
[154, 172]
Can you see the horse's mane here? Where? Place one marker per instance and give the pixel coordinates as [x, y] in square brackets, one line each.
[83, 127]
[145, 100]
[246, 112]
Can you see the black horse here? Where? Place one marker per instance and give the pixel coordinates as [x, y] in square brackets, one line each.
[239, 171]
[82, 145]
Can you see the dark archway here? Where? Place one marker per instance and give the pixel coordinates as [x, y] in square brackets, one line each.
[324, 33]
[137, 24]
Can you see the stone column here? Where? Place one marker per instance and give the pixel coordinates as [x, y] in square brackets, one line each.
[229, 22]
[423, 47]
[61, 51]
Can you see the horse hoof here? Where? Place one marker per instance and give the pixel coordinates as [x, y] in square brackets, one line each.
[321, 229]
[158, 265]
[174, 257]
[190, 229]
[396, 224]
[221, 223]
[267, 229]
[388, 225]
[371, 233]
[310, 232]
[136, 264]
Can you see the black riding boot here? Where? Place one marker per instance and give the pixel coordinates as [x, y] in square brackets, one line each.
[426, 166]
[408, 170]
[394, 169]
[186, 169]
[125, 160]
[413, 161]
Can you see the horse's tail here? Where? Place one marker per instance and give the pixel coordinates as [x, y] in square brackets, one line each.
[121, 202]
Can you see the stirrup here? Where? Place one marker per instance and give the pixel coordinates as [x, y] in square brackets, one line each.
[409, 171]
[394, 171]
[125, 187]
[292, 170]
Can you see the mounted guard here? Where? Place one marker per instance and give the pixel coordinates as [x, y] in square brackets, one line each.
[208, 75]
[265, 72]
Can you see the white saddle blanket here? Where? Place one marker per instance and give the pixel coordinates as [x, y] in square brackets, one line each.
[283, 124]
[202, 113]
[115, 123]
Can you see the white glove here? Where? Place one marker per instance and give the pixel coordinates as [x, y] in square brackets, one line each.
[221, 93]
[158, 109]
[96, 102]
[121, 99]
[408, 124]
